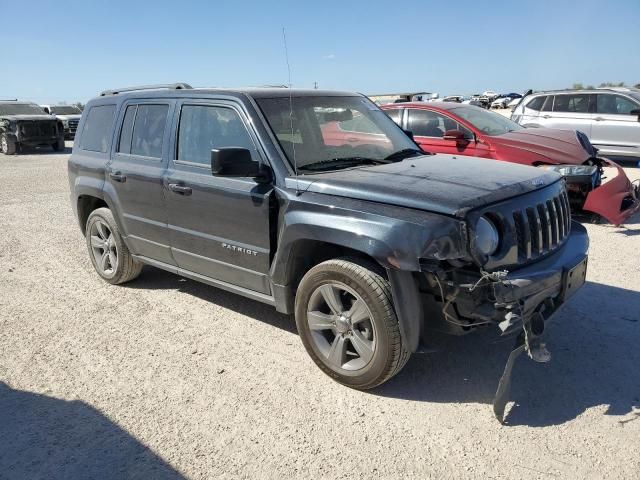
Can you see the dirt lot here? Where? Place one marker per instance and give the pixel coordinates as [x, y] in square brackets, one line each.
[167, 378]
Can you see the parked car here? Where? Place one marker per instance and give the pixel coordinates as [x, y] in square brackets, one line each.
[454, 98]
[69, 115]
[500, 102]
[490, 94]
[26, 124]
[610, 118]
[595, 184]
[315, 202]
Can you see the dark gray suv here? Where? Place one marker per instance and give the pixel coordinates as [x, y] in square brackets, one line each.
[320, 205]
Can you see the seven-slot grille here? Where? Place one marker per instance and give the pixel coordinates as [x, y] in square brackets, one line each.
[543, 227]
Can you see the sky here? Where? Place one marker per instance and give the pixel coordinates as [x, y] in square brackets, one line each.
[69, 50]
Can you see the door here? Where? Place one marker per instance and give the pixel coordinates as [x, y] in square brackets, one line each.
[428, 128]
[615, 131]
[568, 112]
[219, 226]
[135, 174]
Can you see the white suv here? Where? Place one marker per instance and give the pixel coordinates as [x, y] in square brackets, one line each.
[609, 117]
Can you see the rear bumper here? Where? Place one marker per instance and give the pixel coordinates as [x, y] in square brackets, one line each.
[616, 199]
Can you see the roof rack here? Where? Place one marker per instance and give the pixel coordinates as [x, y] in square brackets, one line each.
[168, 86]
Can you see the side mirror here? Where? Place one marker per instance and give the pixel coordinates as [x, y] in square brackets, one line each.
[455, 136]
[237, 162]
[408, 133]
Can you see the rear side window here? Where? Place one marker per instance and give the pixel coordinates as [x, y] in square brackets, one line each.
[536, 103]
[148, 130]
[97, 128]
[578, 103]
[204, 128]
[124, 145]
[394, 115]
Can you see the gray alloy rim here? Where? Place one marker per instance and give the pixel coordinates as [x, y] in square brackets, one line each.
[3, 144]
[103, 247]
[341, 327]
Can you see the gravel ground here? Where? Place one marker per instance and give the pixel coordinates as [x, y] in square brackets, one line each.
[168, 378]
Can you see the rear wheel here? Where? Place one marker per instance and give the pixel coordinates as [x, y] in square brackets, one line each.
[7, 147]
[346, 320]
[109, 254]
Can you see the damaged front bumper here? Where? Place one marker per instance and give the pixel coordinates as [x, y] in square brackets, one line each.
[602, 189]
[518, 302]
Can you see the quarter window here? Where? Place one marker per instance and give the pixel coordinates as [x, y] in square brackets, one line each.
[615, 104]
[204, 128]
[97, 128]
[578, 103]
[148, 130]
[536, 103]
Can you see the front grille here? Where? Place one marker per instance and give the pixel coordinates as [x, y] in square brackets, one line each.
[543, 227]
[73, 125]
[38, 129]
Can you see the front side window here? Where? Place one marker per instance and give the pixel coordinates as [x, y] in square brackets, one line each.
[615, 104]
[578, 103]
[326, 133]
[536, 103]
[97, 128]
[148, 130]
[486, 121]
[427, 123]
[204, 128]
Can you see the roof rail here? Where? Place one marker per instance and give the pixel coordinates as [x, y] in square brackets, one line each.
[169, 86]
[8, 99]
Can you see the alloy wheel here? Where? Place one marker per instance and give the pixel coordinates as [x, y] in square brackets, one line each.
[103, 247]
[341, 327]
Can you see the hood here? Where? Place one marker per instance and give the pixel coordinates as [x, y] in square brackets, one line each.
[447, 184]
[68, 117]
[18, 118]
[550, 145]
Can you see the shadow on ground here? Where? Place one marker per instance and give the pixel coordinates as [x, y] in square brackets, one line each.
[594, 342]
[48, 438]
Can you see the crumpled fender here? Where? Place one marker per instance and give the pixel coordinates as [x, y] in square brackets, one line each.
[606, 200]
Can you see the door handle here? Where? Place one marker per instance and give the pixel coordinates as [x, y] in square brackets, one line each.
[180, 189]
[118, 177]
[352, 139]
[599, 119]
[546, 116]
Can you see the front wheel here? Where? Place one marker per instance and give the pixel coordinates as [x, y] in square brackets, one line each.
[7, 147]
[346, 321]
[109, 254]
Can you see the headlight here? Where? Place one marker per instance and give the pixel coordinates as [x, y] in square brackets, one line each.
[487, 236]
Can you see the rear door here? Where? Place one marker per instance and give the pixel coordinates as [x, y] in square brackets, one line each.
[220, 226]
[135, 174]
[569, 111]
[614, 130]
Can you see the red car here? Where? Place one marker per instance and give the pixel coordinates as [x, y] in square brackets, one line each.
[596, 185]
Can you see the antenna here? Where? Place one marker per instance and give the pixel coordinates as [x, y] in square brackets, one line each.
[293, 143]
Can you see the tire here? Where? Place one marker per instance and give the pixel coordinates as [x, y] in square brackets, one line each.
[109, 254]
[7, 147]
[58, 146]
[332, 341]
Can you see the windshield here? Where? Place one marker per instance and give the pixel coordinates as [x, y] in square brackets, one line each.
[65, 110]
[489, 123]
[335, 132]
[20, 109]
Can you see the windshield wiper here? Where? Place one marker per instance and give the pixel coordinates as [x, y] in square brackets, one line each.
[340, 162]
[404, 153]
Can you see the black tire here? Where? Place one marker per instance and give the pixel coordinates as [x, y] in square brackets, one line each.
[7, 147]
[125, 268]
[58, 146]
[389, 353]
